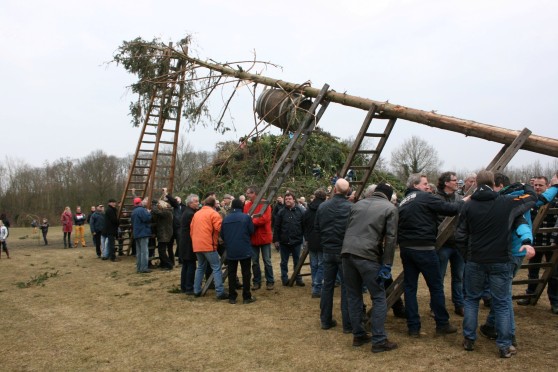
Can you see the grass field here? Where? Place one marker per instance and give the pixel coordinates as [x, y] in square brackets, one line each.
[66, 310]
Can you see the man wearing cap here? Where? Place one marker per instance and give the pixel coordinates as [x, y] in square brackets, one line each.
[367, 256]
[141, 224]
[110, 230]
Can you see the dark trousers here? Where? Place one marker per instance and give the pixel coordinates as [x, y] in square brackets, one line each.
[45, 237]
[425, 262]
[110, 248]
[68, 235]
[246, 275]
[163, 248]
[187, 276]
[97, 242]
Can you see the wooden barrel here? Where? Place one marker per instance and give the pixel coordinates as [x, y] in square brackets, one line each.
[281, 109]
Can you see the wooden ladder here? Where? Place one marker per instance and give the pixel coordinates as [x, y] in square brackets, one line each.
[356, 150]
[447, 227]
[153, 164]
[286, 161]
[550, 266]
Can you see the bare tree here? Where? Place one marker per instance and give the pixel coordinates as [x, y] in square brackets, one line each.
[415, 156]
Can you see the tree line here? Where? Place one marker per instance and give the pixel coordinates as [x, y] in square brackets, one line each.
[28, 192]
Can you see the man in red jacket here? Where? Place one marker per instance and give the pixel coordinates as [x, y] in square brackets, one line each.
[261, 240]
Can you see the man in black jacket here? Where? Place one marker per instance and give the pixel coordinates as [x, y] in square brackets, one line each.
[418, 228]
[447, 191]
[287, 236]
[312, 239]
[177, 209]
[110, 230]
[484, 231]
[330, 225]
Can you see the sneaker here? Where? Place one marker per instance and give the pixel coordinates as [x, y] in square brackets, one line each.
[249, 300]
[468, 344]
[329, 326]
[361, 340]
[223, 296]
[300, 284]
[387, 345]
[512, 350]
[270, 286]
[488, 332]
[554, 309]
[524, 302]
[446, 330]
[232, 301]
[505, 353]
[256, 286]
[459, 311]
[414, 333]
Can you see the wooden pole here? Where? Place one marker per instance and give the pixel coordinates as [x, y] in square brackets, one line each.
[538, 144]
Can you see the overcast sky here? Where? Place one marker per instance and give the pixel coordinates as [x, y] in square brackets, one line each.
[494, 62]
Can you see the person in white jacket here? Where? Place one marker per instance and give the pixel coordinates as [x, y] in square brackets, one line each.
[3, 237]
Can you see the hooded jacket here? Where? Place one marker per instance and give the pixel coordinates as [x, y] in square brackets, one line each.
[204, 229]
[235, 232]
[486, 223]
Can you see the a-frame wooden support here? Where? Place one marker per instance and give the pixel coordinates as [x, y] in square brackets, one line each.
[549, 267]
[285, 162]
[363, 172]
[153, 164]
[447, 227]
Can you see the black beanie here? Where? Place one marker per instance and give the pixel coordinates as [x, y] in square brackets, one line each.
[237, 204]
[385, 188]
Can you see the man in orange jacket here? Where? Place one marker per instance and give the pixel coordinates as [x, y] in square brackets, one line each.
[204, 230]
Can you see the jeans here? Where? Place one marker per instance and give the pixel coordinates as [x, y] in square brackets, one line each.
[356, 272]
[333, 266]
[499, 278]
[109, 246]
[457, 265]
[142, 253]
[245, 268]
[317, 271]
[256, 270]
[215, 263]
[491, 318]
[187, 276]
[287, 251]
[423, 262]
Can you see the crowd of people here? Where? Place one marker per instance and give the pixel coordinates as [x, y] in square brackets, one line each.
[351, 245]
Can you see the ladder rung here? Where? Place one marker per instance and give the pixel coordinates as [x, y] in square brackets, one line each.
[142, 166]
[547, 230]
[138, 183]
[527, 281]
[545, 248]
[357, 167]
[374, 134]
[367, 152]
[536, 265]
[140, 175]
[167, 142]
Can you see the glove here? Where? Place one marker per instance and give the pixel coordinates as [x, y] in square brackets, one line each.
[384, 274]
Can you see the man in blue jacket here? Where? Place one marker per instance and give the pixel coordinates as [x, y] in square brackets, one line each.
[141, 224]
[235, 232]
